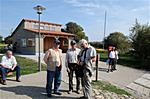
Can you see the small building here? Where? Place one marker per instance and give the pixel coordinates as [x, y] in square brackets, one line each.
[25, 36]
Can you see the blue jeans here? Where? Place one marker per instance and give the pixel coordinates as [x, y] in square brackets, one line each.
[3, 72]
[56, 75]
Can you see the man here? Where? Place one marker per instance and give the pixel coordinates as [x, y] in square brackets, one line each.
[111, 60]
[116, 58]
[72, 66]
[9, 64]
[87, 56]
[54, 62]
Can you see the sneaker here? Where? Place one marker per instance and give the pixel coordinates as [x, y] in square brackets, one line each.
[18, 80]
[70, 91]
[78, 92]
[49, 95]
[4, 82]
[58, 93]
[108, 71]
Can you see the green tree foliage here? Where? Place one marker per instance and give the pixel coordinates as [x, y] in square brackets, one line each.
[76, 29]
[97, 44]
[119, 40]
[140, 36]
[1, 38]
[8, 40]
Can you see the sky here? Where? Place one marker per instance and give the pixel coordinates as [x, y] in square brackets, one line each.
[121, 14]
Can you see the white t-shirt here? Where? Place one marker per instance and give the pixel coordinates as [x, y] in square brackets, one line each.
[8, 61]
[112, 54]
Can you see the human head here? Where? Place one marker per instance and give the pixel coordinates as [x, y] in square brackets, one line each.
[73, 44]
[83, 43]
[9, 54]
[56, 43]
[113, 48]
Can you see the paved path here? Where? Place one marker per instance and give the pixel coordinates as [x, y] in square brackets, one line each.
[31, 87]
[123, 77]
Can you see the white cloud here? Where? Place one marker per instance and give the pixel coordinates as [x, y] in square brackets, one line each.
[87, 7]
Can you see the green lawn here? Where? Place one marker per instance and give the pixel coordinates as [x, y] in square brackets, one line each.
[28, 66]
[102, 85]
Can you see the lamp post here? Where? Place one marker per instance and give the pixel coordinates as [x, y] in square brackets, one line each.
[104, 30]
[39, 10]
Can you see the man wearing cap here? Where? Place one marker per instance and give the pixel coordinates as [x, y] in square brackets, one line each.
[72, 66]
[54, 62]
[87, 56]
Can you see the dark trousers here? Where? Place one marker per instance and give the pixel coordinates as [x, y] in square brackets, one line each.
[56, 75]
[73, 67]
[3, 72]
[115, 63]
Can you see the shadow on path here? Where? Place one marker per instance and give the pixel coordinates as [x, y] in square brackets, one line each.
[33, 92]
[101, 69]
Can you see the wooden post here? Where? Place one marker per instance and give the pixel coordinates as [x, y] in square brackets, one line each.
[96, 67]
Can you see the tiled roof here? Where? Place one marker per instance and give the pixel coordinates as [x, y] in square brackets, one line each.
[50, 32]
[29, 20]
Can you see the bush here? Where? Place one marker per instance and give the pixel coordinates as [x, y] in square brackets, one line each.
[103, 54]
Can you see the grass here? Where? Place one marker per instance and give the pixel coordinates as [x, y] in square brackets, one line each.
[2, 45]
[102, 85]
[28, 66]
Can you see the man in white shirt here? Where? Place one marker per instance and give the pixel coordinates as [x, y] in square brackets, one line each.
[116, 58]
[87, 56]
[9, 63]
[72, 66]
[111, 60]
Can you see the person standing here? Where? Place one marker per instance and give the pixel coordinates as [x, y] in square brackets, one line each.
[53, 59]
[111, 60]
[87, 56]
[9, 64]
[116, 58]
[72, 66]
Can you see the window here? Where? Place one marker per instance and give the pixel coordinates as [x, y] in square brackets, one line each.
[47, 28]
[37, 27]
[30, 42]
[23, 41]
[52, 28]
[65, 42]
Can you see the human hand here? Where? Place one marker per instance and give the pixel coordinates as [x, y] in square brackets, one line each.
[12, 68]
[68, 70]
[81, 63]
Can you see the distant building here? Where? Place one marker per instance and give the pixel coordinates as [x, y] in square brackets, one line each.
[25, 36]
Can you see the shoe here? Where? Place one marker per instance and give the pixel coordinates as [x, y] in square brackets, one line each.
[49, 95]
[111, 70]
[82, 97]
[108, 71]
[4, 82]
[78, 92]
[70, 91]
[18, 80]
[58, 93]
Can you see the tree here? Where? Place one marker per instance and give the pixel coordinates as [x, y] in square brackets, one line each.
[76, 29]
[118, 40]
[140, 36]
[1, 39]
[8, 40]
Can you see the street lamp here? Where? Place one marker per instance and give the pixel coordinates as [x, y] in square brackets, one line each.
[39, 10]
